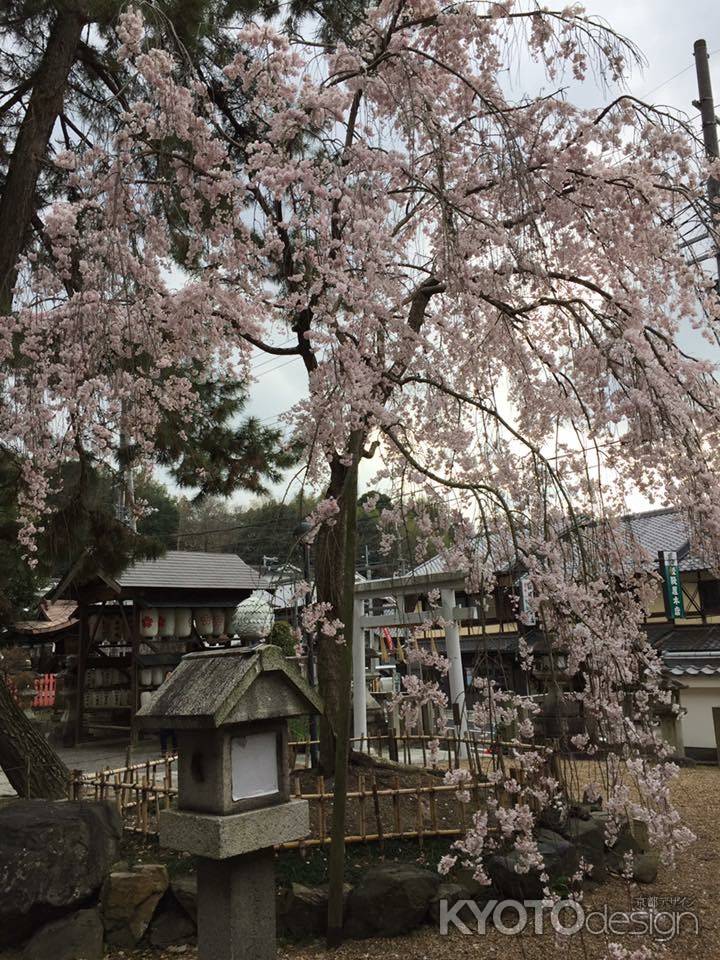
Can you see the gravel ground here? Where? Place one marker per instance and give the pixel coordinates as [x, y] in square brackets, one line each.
[696, 878]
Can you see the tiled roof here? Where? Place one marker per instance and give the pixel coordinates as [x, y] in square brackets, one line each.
[652, 530]
[436, 564]
[688, 651]
[191, 570]
[53, 617]
[684, 640]
[693, 668]
[665, 529]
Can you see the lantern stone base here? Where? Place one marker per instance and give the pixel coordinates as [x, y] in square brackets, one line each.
[236, 907]
[220, 837]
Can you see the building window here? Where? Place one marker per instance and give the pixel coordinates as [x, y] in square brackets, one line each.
[710, 596]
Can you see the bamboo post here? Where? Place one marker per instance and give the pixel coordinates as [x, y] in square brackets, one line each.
[420, 818]
[478, 763]
[378, 817]
[433, 807]
[321, 791]
[361, 805]
[144, 804]
[396, 807]
[461, 807]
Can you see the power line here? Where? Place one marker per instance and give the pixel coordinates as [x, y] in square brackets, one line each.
[674, 76]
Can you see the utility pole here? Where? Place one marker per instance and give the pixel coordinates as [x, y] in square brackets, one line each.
[706, 106]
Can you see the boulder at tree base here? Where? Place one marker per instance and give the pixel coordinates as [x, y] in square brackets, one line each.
[389, 900]
[54, 856]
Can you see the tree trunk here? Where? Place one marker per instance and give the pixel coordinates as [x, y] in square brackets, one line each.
[329, 566]
[18, 200]
[336, 866]
[29, 762]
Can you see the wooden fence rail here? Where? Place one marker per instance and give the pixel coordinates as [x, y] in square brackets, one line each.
[380, 806]
[375, 812]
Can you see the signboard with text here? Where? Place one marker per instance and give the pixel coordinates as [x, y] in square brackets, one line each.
[527, 597]
[673, 585]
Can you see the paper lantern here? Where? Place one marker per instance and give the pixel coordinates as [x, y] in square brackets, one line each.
[218, 619]
[204, 622]
[166, 622]
[254, 617]
[148, 622]
[183, 622]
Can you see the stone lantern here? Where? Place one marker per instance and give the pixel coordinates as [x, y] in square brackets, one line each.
[230, 709]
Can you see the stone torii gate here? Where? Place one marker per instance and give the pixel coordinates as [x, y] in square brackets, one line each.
[398, 588]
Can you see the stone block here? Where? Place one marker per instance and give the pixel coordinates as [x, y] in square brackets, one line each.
[236, 908]
[128, 902]
[219, 837]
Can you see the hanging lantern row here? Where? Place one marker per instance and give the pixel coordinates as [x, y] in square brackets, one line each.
[251, 619]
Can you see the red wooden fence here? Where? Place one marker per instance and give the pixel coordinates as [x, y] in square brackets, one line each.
[44, 691]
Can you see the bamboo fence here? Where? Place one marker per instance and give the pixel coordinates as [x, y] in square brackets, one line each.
[376, 812]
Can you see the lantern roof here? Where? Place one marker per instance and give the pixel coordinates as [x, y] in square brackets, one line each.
[219, 688]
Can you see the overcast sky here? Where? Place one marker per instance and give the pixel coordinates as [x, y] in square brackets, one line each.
[665, 30]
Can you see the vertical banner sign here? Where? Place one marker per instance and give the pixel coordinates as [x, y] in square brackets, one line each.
[673, 586]
[527, 595]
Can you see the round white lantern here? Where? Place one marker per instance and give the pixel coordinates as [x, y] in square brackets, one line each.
[166, 622]
[149, 622]
[218, 619]
[183, 621]
[204, 622]
[254, 617]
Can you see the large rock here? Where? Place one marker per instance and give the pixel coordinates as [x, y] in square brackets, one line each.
[54, 856]
[170, 924]
[560, 858]
[645, 867]
[390, 899]
[479, 892]
[628, 841]
[452, 893]
[78, 936]
[184, 888]
[302, 911]
[129, 900]
[588, 836]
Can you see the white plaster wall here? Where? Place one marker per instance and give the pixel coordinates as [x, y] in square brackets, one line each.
[701, 695]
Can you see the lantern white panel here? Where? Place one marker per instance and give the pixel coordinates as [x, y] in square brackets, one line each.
[254, 765]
